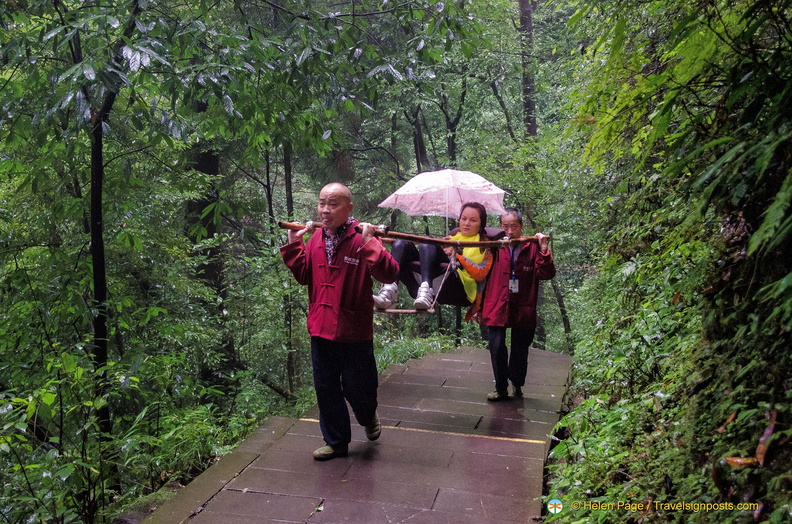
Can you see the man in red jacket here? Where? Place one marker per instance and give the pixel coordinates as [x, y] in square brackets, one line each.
[510, 302]
[337, 264]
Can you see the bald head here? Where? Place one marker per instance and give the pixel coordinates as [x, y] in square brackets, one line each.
[335, 205]
[336, 189]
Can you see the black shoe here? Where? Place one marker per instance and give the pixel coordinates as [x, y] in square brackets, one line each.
[518, 392]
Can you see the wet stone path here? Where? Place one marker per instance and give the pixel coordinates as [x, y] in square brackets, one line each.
[446, 455]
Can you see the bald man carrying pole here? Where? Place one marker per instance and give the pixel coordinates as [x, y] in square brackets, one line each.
[337, 264]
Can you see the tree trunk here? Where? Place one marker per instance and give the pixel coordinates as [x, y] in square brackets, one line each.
[288, 318]
[98, 259]
[273, 220]
[502, 104]
[394, 141]
[541, 335]
[206, 161]
[528, 86]
[529, 125]
[528, 90]
[419, 143]
[109, 476]
[564, 314]
[458, 326]
[287, 176]
[452, 122]
[212, 271]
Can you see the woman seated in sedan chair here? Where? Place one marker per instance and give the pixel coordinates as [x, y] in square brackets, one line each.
[423, 268]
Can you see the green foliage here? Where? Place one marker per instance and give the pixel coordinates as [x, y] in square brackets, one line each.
[397, 348]
[682, 376]
[661, 169]
[206, 327]
[640, 321]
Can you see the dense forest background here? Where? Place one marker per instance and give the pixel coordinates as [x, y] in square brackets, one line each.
[149, 148]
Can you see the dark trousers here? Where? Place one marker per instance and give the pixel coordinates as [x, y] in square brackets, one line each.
[433, 263]
[509, 365]
[343, 371]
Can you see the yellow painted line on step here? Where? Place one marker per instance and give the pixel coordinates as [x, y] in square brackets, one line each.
[418, 430]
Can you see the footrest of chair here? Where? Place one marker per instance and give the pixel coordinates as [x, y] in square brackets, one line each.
[405, 311]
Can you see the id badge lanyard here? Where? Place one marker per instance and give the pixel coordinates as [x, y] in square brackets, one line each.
[514, 284]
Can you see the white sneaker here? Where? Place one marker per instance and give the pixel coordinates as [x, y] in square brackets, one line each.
[387, 296]
[425, 298]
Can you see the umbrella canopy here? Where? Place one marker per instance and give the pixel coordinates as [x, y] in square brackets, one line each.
[442, 193]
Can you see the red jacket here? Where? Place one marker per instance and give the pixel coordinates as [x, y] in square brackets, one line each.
[340, 301]
[500, 307]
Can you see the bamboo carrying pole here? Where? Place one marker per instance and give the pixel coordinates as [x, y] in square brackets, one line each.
[294, 226]
[382, 231]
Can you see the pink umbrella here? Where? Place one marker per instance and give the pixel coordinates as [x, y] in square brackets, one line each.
[442, 193]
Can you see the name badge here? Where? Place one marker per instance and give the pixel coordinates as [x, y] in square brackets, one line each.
[514, 285]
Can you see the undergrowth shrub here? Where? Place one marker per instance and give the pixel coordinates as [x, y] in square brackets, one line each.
[683, 390]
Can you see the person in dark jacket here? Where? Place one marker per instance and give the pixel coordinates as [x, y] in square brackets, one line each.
[337, 264]
[510, 302]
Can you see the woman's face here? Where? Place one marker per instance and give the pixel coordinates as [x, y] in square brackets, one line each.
[469, 222]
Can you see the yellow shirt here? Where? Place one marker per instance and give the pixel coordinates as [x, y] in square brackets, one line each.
[476, 256]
